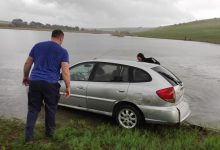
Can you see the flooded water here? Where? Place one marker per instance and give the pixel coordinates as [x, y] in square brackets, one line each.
[197, 64]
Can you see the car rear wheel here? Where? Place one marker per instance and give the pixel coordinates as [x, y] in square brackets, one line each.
[129, 117]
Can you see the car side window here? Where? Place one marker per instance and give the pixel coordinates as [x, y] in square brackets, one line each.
[110, 73]
[81, 72]
[140, 75]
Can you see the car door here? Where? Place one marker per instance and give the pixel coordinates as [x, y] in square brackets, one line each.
[79, 81]
[109, 83]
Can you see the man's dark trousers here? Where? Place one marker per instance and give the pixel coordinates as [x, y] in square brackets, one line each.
[40, 91]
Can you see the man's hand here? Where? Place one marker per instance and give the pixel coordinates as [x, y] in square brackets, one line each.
[67, 93]
[25, 81]
[27, 68]
[66, 78]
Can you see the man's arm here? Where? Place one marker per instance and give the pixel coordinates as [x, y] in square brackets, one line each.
[26, 70]
[155, 61]
[66, 77]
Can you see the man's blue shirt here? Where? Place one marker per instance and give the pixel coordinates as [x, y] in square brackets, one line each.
[47, 57]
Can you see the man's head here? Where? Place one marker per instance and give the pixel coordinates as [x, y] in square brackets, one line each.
[140, 56]
[57, 36]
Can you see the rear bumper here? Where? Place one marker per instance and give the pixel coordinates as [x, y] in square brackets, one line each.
[166, 115]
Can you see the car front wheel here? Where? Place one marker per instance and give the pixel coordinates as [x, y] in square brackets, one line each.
[129, 117]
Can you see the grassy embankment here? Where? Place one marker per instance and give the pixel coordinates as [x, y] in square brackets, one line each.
[81, 134]
[202, 30]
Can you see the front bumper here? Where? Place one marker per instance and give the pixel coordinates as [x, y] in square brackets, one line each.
[168, 115]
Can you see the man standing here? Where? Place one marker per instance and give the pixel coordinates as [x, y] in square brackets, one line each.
[48, 58]
[141, 58]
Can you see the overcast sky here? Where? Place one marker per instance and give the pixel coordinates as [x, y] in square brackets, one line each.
[109, 13]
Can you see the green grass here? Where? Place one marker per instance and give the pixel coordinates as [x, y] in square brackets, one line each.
[82, 135]
[203, 31]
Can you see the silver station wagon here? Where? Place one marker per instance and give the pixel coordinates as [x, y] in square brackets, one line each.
[131, 92]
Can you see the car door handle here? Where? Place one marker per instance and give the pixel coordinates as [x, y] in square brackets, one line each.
[80, 87]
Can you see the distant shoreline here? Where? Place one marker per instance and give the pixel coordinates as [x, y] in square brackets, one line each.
[34, 29]
[155, 33]
[43, 29]
[174, 39]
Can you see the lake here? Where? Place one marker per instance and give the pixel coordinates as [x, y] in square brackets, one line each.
[196, 64]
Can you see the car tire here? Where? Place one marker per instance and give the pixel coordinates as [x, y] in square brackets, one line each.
[129, 117]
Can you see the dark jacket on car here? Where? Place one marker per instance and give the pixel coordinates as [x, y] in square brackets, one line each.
[151, 60]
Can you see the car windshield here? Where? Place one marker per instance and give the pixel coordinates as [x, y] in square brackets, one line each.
[170, 77]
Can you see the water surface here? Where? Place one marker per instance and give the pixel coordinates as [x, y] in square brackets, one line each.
[197, 64]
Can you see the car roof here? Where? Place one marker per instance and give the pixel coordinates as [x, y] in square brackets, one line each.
[125, 62]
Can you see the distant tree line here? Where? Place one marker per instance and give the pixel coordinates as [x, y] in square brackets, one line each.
[38, 25]
[19, 23]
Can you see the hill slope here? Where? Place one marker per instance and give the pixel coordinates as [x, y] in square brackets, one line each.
[202, 30]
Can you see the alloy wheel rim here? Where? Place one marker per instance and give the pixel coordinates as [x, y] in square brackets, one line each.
[127, 118]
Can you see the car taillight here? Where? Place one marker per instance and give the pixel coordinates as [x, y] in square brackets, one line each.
[167, 94]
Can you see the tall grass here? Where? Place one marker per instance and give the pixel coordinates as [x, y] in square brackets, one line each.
[203, 30]
[81, 135]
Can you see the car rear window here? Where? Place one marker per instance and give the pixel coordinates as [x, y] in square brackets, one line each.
[139, 75]
[170, 77]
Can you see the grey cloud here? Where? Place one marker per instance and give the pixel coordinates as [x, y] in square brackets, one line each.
[124, 12]
[101, 13]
